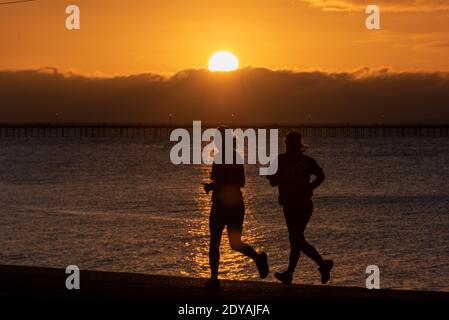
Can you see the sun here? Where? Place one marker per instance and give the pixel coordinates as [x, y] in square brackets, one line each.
[223, 61]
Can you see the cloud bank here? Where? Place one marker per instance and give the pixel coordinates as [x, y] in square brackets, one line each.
[252, 95]
[388, 5]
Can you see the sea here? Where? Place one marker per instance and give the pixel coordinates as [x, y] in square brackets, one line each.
[119, 204]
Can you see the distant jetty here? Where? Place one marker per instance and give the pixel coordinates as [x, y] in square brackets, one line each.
[18, 282]
[141, 130]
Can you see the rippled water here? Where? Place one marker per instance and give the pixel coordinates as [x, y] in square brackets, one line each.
[121, 205]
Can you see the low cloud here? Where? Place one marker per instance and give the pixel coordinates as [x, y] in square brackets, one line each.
[250, 95]
[388, 5]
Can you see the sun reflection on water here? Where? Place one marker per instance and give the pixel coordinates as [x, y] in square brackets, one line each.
[232, 263]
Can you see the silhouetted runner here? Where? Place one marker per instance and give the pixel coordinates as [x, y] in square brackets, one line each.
[228, 210]
[295, 195]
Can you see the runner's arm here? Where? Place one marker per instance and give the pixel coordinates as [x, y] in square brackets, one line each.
[319, 176]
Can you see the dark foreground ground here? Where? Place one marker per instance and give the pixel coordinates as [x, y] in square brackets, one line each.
[45, 283]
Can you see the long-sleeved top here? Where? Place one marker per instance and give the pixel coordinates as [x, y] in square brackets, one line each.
[293, 177]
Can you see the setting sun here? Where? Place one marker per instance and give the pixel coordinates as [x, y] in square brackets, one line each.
[223, 61]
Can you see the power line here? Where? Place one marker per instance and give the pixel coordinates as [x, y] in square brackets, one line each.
[16, 1]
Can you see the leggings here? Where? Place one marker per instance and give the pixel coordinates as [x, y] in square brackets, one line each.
[231, 217]
[297, 216]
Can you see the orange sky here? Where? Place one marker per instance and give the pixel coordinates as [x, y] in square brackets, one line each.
[164, 36]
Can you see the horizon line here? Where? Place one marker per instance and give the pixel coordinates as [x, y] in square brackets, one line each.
[363, 70]
[171, 124]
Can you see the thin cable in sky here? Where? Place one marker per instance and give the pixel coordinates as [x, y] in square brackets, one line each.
[16, 1]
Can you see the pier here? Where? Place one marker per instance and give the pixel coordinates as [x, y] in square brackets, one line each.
[105, 130]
